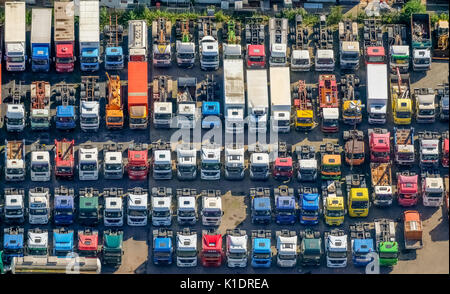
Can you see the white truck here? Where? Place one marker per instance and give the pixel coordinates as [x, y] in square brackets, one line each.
[15, 160]
[336, 247]
[257, 100]
[38, 206]
[113, 211]
[89, 35]
[300, 57]
[287, 248]
[137, 207]
[432, 190]
[208, 44]
[89, 104]
[137, 40]
[184, 44]
[237, 248]
[15, 109]
[15, 40]
[348, 45]
[113, 167]
[163, 91]
[161, 206]
[162, 48]
[186, 206]
[231, 36]
[259, 168]
[307, 163]
[186, 248]
[210, 162]
[323, 35]
[377, 93]
[211, 207]
[186, 162]
[280, 99]
[234, 161]
[187, 109]
[234, 96]
[37, 242]
[14, 206]
[278, 29]
[40, 167]
[426, 108]
[88, 163]
[162, 160]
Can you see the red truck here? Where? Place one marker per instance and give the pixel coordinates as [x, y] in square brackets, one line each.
[138, 165]
[254, 37]
[445, 149]
[328, 103]
[138, 94]
[212, 253]
[64, 36]
[283, 166]
[407, 188]
[380, 145]
[88, 243]
[64, 159]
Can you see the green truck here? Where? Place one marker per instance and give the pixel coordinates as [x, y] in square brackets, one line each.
[89, 206]
[311, 251]
[112, 249]
[387, 246]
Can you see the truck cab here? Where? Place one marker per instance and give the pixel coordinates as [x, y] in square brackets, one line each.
[261, 251]
[88, 243]
[412, 230]
[37, 242]
[311, 250]
[261, 205]
[162, 161]
[112, 248]
[137, 207]
[63, 244]
[324, 60]
[15, 117]
[330, 161]
[425, 105]
[186, 206]
[211, 207]
[386, 244]
[65, 117]
[357, 195]
[64, 206]
[361, 243]
[113, 167]
[210, 166]
[333, 203]
[13, 243]
[161, 206]
[15, 38]
[432, 190]
[287, 248]
[186, 250]
[407, 188]
[307, 163]
[380, 145]
[186, 165]
[88, 166]
[308, 202]
[234, 162]
[237, 248]
[41, 28]
[89, 206]
[138, 166]
[113, 212]
[283, 168]
[209, 53]
[300, 60]
[336, 248]
[212, 254]
[256, 56]
[429, 149]
[14, 206]
[285, 205]
[259, 168]
[39, 206]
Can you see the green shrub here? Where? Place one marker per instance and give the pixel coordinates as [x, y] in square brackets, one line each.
[335, 15]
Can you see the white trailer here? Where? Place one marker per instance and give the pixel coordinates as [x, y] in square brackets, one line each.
[280, 99]
[89, 35]
[257, 100]
[377, 93]
[234, 97]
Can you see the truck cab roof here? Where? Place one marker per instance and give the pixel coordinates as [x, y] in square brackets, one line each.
[65, 111]
[261, 203]
[161, 202]
[113, 240]
[360, 194]
[37, 239]
[63, 201]
[237, 243]
[88, 154]
[184, 241]
[13, 201]
[287, 244]
[408, 184]
[137, 200]
[261, 244]
[337, 242]
[113, 203]
[114, 51]
[363, 245]
[211, 108]
[163, 156]
[163, 107]
[88, 202]
[256, 50]
[434, 184]
[310, 201]
[325, 54]
[285, 202]
[15, 108]
[40, 52]
[330, 113]
[350, 46]
[399, 50]
[300, 54]
[212, 242]
[209, 154]
[63, 240]
[186, 202]
[113, 157]
[13, 241]
[212, 203]
[259, 158]
[429, 146]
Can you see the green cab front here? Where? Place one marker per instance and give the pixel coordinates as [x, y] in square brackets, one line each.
[388, 253]
[112, 247]
[89, 212]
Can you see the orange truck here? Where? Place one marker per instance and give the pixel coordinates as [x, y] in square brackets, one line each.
[114, 108]
[138, 94]
[412, 230]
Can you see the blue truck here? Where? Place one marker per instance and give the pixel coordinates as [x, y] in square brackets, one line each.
[12, 243]
[261, 206]
[41, 32]
[162, 246]
[285, 205]
[362, 243]
[63, 244]
[64, 206]
[261, 252]
[89, 35]
[114, 52]
[308, 204]
[210, 106]
[65, 118]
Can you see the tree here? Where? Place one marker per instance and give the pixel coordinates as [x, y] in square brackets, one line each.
[335, 15]
[412, 6]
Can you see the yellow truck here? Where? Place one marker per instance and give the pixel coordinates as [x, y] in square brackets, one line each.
[303, 103]
[114, 108]
[333, 203]
[358, 201]
[402, 103]
[351, 104]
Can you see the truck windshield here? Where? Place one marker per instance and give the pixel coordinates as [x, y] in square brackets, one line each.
[84, 213]
[285, 212]
[235, 169]
[163, 115]
[211, 254]
[11, 212]
[210, 58]
[430, 157]
[16, 59]
[64, 60]
[63, 211]
[330, 122]
[137, 212]
[15, 121]
[308, 171]
[186, 253]
[375, 59]
[16, 251]
[159, 213]
[331, 168]
[259, 168]
[114, 58]
[287, 256]
[113, 167]
[324, 61]
[309, 212]
[405, 155]
[64, 170]
[335, 213]
[89, 253]
[426, 112]
[63, 252]
[38, 211]
[64, 119]
[435, 195]
[280, 60]
[138, 167]
[163, 167]
[401, 114]
[350, 56]
[215, 213]
[134, 120]
[333, 254]
[300, 62]
[304, 120]
[284, 168]
[186, 213]
[40, 61]
[89, 120]
[256, 58]
[162, 254]
[388, 254]
[39, 120]
[89, 59]
[37, 251]
[14, 171]
[421, 61]
[184, 168]
[380, 154]
[355, 155]
[114, 214]
[210, 166]
[377, 115]
[237, 255]
[164, 56]
[262, 212]
[360, 204]
[115, 119]
[88, 166]
[261, 255]
[186, 55]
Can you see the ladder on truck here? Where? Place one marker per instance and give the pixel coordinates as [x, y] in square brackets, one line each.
[323, 35]
[254, 31]
[113, 32]
[373, 33]
[40, 99]
[89, 89]
[206, 27]
[299, 34]
[361, 231]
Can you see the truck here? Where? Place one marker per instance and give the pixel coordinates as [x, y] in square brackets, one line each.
[211, 254]
[184, 43]
[40, 167]
[351, 103]
[14, 206]
[429, 149]
[324, 54]
[377, 93]
[186, 164]
[421, 41]
[161, 206]
[354, 150]
[283, 167]
[440, 40]
[65, 118]
[15, 109]
[446, 186]
[306, 163]
[113, 166]
[138, 94]
[259, 164]
[89, 206]
[64, 159]
[261, 253]
[236, 248]
[407, 188]
[261, 205]
[113, 212]
[398, 48]
[386, 244]
[362, 243]
[138, 165]
[328, 103]
[255, 56]
[300, 57]
[278, 32]
[186, 206]
[64, 36]
[234, 166]
[432, 189]
[443, 98]
[231, 36]
[287, 248]
[381, 178]
[308, 205]
[425, 105]
[212, 211]
[15, 167]
[257, 100]
[38, 206]
[114, 107]
[161, 37]
[112, 247]
[63, 243]
[333, 203]
[13, 243]
[41, 32]
[137, 207]
[210, 161]
[330, 161]
[37, 242]
[374, 52]
[445, 148]
[311, 250]
[412, 229]
[187, 107]
[162, 160]
[90, 104]
[89, 35]
[163, 248]
[280, 99]
[164, 90]
[209, 94]
[186, 251]
[208, 43]
[304, 106]
[358, 201]
[336, 247]
[379, 145]
[87, 245]
[55, 265]
[348, 45]
[113, 33]
[15, 41]
[137, 40]
[285, 205]
[40, 105]
[234, 97]
[63, 206]
[404, 152]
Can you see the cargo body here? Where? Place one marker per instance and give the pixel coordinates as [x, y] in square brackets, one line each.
[89, 35]
[137, 95]
[64, 36]
[377, 93]
[15, 40]
[421, 41]
[257, 100]
[41, 33]
[280, 99]
[234, 97]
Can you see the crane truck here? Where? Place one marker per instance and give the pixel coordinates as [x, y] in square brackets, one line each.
[114, 107]
[162, 48]
[184, 44]
[40, 105]
[64, 159]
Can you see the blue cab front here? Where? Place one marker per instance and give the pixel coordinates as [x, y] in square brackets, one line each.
[361, 249]
[210, 114]
[40, 61]
[12, 247]
[64, 210]
[163, 251]
[285, 210]
[62, 244]
[89, 59]
[261, 211]
[114, 58]
[65, 117]
[261, 254]
[309, 212]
